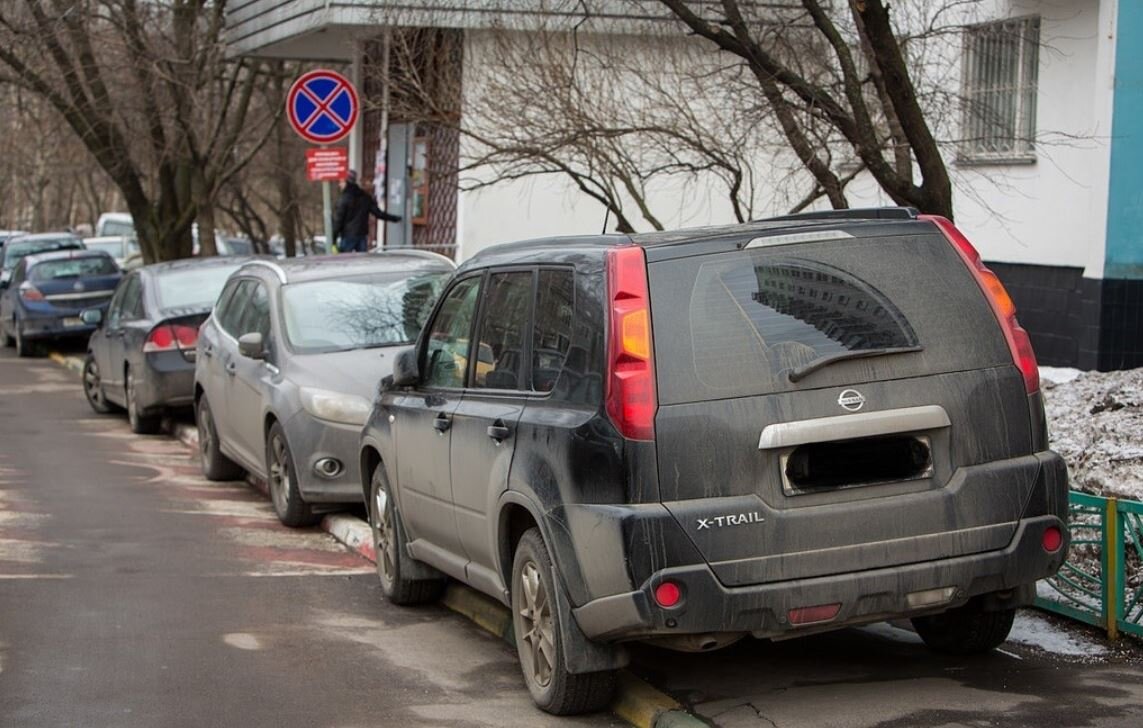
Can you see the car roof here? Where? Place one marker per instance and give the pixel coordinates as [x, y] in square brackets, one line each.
[37, 258]
[213, 261]
[324, 267]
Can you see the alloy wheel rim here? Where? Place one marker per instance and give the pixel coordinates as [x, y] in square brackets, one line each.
[385, 545]
[537, 636]
[279, 473]
[91, 383]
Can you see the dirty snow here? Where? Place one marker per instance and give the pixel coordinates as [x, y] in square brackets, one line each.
[1095, 421]
[1036, 631]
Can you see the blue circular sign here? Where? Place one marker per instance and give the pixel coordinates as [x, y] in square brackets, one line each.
[322, 106]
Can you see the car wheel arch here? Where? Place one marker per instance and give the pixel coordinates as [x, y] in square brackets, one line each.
[368, 460]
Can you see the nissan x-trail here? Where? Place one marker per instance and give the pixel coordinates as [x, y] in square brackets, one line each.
[770, 429]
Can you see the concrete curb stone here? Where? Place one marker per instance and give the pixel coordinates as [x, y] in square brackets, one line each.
[636, 701]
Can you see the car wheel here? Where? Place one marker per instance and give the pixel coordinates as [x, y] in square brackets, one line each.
[93, 387]
[539, 639]
[140, 424]
[389, 543]
[9, 341]
[215, 465]
[282, 478]
[24, 348]
[966, 630]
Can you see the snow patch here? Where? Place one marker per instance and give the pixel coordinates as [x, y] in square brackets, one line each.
[1035, 631]
[1059, 375]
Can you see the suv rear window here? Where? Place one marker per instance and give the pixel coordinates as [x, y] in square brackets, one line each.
[740, 323]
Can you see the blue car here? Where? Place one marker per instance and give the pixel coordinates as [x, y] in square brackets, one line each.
[46, 292]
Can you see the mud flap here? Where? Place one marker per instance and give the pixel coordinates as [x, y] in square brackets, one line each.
[581, 654]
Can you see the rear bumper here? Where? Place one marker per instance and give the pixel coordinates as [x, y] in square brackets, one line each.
[866, 596]
[168, 381]
[52, 327]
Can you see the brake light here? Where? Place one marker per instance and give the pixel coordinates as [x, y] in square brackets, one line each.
[631, 397]
[170, 337]
[28, 292]
[1018, 341]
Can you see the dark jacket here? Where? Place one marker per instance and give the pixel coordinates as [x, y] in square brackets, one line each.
[351, 219]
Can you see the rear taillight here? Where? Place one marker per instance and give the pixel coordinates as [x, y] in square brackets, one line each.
[28, 292]
[170, 337]
[631, 398]
[1018, 342]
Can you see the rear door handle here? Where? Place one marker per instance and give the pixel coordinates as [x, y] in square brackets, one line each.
[231, 368]
[499, 431]
[442, 423]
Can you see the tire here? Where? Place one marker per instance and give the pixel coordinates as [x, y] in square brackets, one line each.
[140, 424]
[9, 341]
[281, 477]
[93, 387]
[215, 465]
[539, 639]
[389, 543]
[25, 348]
[966, 630]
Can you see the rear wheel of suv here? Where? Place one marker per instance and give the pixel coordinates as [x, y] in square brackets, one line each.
[965, 630]
[141, 424]
[389, 543]
[93, 387]
[282, 478]
[540, 642]
[215, 465]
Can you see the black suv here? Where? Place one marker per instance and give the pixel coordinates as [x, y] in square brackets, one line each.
[770, 429]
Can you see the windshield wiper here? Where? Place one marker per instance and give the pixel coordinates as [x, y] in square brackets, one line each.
[806, 369]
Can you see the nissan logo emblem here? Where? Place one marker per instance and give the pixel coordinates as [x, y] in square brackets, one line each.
[851, 400]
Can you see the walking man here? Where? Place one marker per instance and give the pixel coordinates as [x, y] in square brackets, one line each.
[351, 221]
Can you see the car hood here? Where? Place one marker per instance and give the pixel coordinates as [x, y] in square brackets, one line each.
[349, 372]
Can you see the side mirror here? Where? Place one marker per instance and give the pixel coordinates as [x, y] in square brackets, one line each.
[91, 316]
[405, 373]
[251, 346]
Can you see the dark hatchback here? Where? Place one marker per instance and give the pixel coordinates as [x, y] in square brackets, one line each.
[771, 429]
[142, 355]
[46, 292]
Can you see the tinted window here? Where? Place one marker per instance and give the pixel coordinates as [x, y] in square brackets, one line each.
[51, 270]
[503, 327]
[381, 309]
[127, 303]
[230, 312]
[551, 335]
[194, 288]
[446, 356]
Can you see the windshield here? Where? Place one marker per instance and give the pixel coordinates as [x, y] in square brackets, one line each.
[382, 309]
[235, 246]
[92, 265]
[14, 251]
[194, 288]
[117, 227]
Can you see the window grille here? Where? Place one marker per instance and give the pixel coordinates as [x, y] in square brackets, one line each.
[1001, 64]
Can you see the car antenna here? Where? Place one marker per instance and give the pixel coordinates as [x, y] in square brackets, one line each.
[606, 216]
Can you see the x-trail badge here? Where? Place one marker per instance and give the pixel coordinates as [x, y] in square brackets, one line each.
[851, 400]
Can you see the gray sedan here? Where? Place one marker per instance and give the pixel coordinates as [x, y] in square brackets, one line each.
[289, 362]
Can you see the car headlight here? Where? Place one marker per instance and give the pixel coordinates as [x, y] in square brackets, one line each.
[348, 409]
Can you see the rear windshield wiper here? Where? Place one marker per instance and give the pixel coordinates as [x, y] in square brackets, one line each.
[806, 369]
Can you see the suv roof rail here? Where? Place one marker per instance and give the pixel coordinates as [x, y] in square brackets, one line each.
[272, 266]
[418, 252]
[858, 213]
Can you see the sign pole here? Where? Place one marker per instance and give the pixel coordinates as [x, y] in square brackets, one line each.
[327, 214]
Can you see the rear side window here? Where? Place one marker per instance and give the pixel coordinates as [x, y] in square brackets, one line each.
[503, 327]
[741, 323]
[551, 335]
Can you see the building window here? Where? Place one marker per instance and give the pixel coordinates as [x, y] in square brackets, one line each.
[1001, 62]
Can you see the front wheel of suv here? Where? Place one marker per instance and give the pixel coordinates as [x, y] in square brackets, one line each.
[282, 478]
[966, 630]
[215, 465]
[389, 543]
[539, 639]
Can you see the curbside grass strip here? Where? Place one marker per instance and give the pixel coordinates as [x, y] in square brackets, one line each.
[636, 701]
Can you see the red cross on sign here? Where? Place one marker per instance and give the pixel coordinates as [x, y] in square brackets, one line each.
[322, 106]
[327, 165]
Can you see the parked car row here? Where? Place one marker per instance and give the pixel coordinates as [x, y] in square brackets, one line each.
[770, 430]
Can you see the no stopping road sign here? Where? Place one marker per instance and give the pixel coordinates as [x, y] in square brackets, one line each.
[322, 106]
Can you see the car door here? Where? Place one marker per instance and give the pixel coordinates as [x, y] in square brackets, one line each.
[220, 348]
[8, 301]
[422, 423]
[247, 380]
[484, 423]
[128, 308]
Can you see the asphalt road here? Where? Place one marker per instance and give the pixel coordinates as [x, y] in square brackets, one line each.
[135, 593]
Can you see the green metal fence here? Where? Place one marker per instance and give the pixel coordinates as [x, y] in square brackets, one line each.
[1101, 583]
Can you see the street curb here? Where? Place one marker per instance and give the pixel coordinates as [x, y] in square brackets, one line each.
[636, 701]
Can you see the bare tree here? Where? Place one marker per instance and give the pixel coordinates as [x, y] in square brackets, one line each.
[148, 90]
